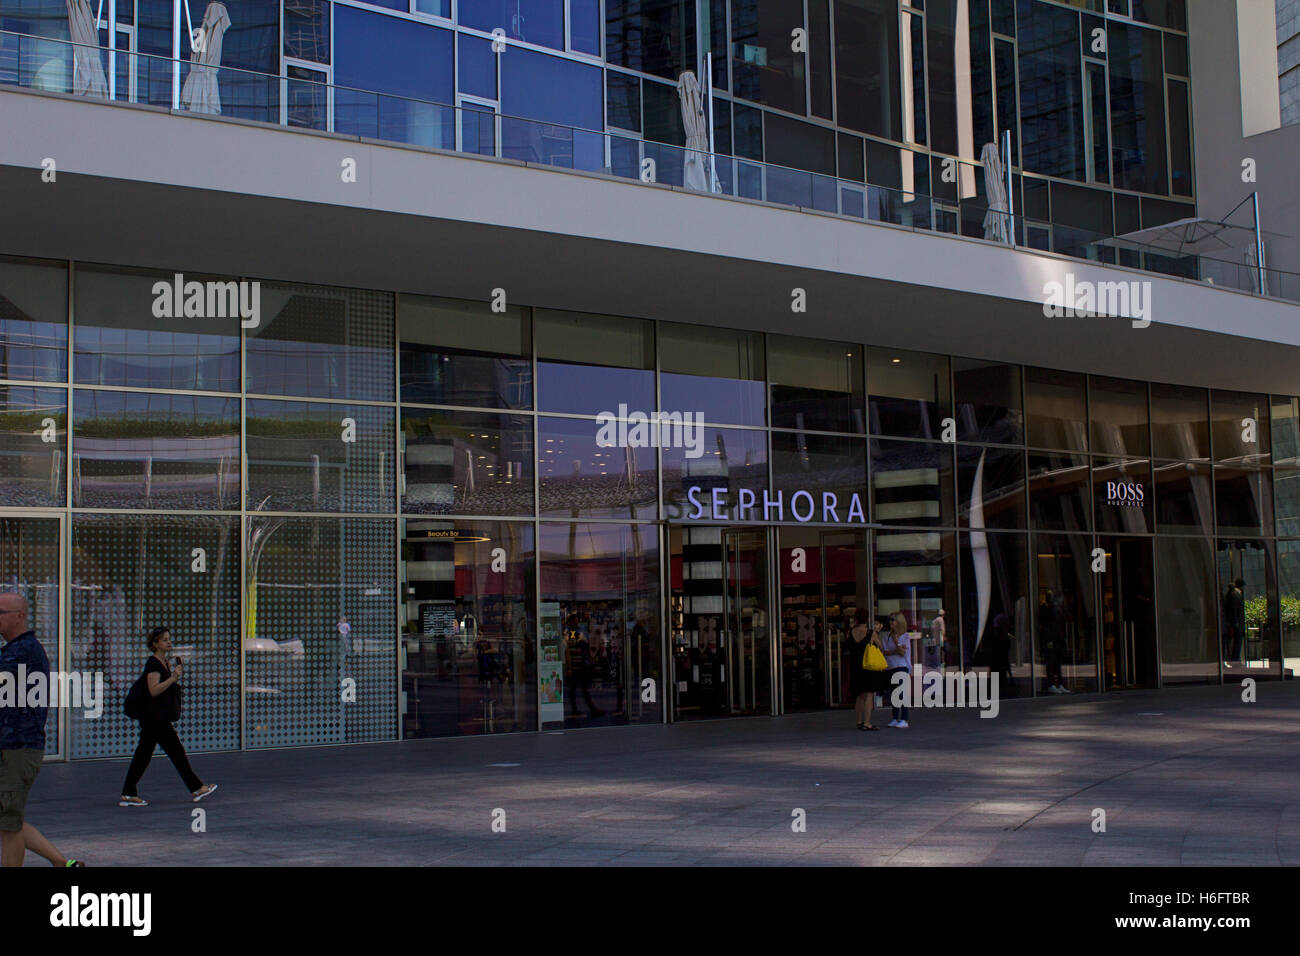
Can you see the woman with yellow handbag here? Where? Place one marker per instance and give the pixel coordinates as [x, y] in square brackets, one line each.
[866, 667]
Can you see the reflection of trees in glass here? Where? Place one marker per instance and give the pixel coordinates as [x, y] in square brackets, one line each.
[1257, 610]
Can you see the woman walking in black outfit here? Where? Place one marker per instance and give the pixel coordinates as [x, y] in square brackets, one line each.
[161, 706]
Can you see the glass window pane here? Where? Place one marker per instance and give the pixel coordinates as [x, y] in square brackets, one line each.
[470, 463]
[1288, 573]
[33, 446]
[320, 599]
[1060, 493]
[1244, 499]
[547, 90]
[477, 66]
[458, 352]
[532, 21]
[916, 574]
[1188, 609]
[300, 458]
[307, 30]
[909, 393]
[1137, 101]
[1051, 90]
[1180, 139]
[588, 363]
[1248, 618]
[322, 342]
[1240, 424]
[1286, 491]
[990, 487]
[1123, 498]
[653, 36]
[584, 26]
[129, 331]
[1184, 501]
[623, 101]
[719, 372]
[815, 385]
[1285, 430]
[765, 67]
[1119, 417]
[470, 633]
[33, 320]
[140, 450]
[911, 483]
[1056, 409]
[134, 573]
[1066, 626]
[867, 69]
[727, 482]
[832, 471]
[587, 469]
[402, 68]
[996, 612]
[1180, 422]
[987, 397]
[600, 583]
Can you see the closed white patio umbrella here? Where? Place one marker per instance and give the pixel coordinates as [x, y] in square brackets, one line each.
[696, 166]
[201, 93]
[87, 70]
[995, 220]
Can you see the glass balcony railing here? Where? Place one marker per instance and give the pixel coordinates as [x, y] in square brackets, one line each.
[302, 100]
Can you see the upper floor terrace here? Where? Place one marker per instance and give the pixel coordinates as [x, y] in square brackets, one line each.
[964, 199]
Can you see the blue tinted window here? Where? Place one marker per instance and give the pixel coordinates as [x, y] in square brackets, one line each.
[409, 61]
[533, 21]
[307, 30]
[478, 67]
[1051, 91]
[654, 36]
[438, 8]
[388, 55]
[584, 26]
[550, 89]
[537, 87]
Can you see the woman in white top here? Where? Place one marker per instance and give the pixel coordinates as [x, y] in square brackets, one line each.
[898, 655]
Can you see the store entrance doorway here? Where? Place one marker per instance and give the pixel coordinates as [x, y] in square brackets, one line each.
[719, 621]
[1127, 612]
[823, 579]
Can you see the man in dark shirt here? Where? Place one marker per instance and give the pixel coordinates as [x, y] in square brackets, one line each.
[22, 735]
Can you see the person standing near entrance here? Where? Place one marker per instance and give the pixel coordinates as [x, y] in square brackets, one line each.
[1234, 619]
[161, 706]
[22, 739]
[898, 655]
[864, 684]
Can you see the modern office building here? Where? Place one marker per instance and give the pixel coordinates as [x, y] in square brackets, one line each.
[447, 367]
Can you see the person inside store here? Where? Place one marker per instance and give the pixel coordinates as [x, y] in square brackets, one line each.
[1234, 620]
[864, 684]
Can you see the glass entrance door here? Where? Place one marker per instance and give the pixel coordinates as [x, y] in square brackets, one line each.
[719, 619]
[1127, 612]
[823, 580]
[30, 559]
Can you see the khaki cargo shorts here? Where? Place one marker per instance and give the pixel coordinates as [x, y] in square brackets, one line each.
[18, 770]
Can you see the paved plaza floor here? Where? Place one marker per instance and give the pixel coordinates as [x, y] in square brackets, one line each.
[1189, 776]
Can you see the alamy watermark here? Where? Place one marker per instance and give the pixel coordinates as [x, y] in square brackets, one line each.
[948, 689]
[71, 689]
[1082, 298]
[209, 300]
[655, 430]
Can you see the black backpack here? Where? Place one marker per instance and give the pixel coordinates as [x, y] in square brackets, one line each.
[134, 705]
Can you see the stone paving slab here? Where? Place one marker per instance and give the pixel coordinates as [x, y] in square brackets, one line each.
[1210, 781]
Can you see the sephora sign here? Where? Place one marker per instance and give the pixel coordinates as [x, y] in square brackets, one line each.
[711, 504]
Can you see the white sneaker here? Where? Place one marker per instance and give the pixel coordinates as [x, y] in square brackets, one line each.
[892, 723]
[1055, 689]
[1066, 690]
[901, 725]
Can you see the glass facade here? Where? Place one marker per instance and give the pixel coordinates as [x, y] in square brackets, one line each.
[382, 516]
[898, 96]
